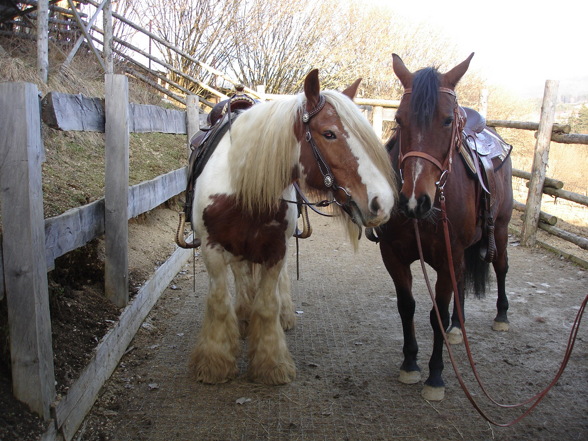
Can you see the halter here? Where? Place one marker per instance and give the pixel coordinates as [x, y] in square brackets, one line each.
[445, 168]
[328, 178]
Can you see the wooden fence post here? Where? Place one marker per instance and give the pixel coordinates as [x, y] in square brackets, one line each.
[116, 189]
[192, 118]
[483, 105]
[533, 207]
[108, 38]
[378, 120]
[25, 266]
[43, 39]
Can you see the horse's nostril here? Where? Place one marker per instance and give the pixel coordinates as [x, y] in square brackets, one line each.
[375, 205]
[424, 204]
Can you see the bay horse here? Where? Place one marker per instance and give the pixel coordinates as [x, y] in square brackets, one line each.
[429, 153]
[244, 216]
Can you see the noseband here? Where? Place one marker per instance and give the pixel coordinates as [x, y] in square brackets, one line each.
[457, 127]
[328, 178]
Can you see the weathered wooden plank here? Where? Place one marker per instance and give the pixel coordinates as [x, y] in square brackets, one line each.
[192, 120]
[149, 118]
[580, 241]
[549, 182]
[568, 195]
[78, 226]
[524, 125]
[543, 217]
[23, 246]
[116, 195]
[529, 229]
[70, 412]
[76, 112]
[73, 229]
[572, 138]
[65, 111]
[149, 194]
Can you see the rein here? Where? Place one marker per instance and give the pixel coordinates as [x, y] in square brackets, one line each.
[536, 399]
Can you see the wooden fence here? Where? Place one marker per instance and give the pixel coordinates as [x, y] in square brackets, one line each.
[30, 243]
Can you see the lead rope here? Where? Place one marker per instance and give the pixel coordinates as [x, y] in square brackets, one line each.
[539, 396]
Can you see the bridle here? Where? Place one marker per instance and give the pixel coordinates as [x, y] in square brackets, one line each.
[457, 127]
[328, 178]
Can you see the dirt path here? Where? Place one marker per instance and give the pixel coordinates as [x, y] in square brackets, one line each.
[347, 348]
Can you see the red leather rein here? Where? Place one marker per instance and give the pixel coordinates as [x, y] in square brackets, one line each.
[533, 401]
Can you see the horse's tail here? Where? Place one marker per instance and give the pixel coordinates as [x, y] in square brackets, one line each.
[477, 273]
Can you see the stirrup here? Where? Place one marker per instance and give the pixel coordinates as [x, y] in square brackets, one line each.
[306, 228]
[180, 241]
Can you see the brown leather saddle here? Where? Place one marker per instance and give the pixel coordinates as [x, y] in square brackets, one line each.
[484, 152]
[203, 143]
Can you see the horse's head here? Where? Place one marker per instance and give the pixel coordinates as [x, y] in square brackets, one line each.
[429, 128]
[341, 155]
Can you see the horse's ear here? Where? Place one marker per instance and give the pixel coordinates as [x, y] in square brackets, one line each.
[312, 89]
[403, 74]
[455, 74]
[351, 91]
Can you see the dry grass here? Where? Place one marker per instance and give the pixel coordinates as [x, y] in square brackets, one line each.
[73, 173]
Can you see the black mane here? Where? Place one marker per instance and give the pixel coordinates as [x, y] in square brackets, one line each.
[425, 90]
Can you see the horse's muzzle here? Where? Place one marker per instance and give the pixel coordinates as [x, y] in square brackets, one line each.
[415, 208]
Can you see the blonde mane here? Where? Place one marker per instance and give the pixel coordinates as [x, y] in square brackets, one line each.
[265, 151]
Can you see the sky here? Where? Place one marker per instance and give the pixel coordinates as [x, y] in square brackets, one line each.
[518, 44]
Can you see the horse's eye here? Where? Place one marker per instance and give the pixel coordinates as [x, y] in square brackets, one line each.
[329, 135]
[448, 122]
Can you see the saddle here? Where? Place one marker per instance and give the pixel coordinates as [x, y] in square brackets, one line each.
[203, 143]
[484, 152]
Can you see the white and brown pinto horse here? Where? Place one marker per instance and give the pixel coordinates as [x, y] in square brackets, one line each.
[242, 214]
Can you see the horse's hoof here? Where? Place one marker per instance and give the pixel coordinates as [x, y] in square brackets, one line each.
[431, 393]
[282, 373]
[212, 369]
[500, 326]
[409, 377]
[205, 374]
[455, 336]
[287, 320]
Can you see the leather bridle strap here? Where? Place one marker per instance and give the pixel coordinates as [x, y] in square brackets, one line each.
[328, 177]
[456, 130]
